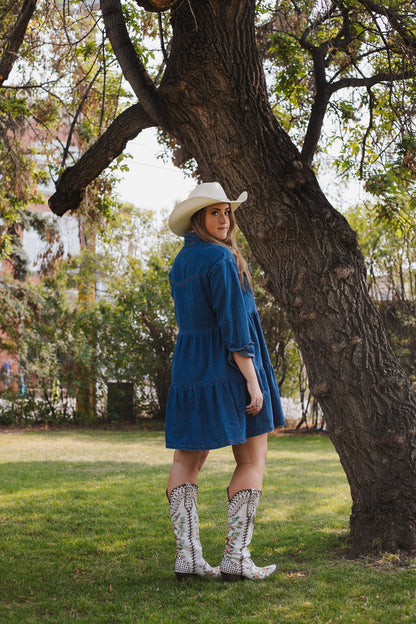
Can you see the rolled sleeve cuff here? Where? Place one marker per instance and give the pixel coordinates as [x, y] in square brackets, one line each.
[246, 351]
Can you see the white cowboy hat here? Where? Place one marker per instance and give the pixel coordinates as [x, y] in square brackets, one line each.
[203, 195]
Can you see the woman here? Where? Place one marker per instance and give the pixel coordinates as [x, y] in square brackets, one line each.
[223, 390]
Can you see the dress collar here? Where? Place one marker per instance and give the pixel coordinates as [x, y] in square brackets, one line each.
[191, 238]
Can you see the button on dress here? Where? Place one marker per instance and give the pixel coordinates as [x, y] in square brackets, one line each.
[215, 316]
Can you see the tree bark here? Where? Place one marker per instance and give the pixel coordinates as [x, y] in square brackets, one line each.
[15, 39]
[215, 103]
[72, 183]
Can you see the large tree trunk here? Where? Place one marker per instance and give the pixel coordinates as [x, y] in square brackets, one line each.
[216, 95]
[214, 101]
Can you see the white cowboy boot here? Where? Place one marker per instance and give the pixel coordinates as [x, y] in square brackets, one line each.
[183, 510]
[236, 563]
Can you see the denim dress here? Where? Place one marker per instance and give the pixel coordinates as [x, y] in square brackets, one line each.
[207, 399]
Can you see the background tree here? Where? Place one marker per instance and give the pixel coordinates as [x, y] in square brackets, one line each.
[138, 328]
[387, 239]
[51, 339]
[58, 88]
[350, 64]
[105, 317]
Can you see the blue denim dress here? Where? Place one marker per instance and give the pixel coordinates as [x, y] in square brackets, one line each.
[215, 316]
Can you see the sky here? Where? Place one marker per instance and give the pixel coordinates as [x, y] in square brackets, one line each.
[151, 183]
[155, 185]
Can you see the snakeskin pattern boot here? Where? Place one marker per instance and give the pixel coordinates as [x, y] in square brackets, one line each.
[236, 563]
[183, 510]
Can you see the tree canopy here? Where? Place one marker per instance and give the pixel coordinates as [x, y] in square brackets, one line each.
[348, 63]
[60, 87]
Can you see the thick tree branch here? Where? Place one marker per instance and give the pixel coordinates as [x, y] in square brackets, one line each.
[156, 6]
[15, 39]
[370, 81]
[315, 123]
[131, 66]
[322, 92]
[323, 54]
[71, 185]
[319, 106]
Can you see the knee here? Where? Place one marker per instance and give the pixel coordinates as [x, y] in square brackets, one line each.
[253, 452]
[253, 462]
[192, 460]
[260, 451]
[258, 461]
[201, 459]
[263, 455]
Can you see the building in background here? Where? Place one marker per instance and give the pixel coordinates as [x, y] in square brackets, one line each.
[33, 246]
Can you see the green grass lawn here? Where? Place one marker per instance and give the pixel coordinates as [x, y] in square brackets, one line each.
[85, 536]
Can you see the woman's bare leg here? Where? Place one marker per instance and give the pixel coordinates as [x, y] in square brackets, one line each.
[185, 468]
[250, 457]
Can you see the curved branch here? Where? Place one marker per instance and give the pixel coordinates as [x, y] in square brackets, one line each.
[72, 183]
[370, 81]
[395, 20]
[322, 90]
[156, 6]
[133, 69]
[15, 39]
[315, 123]
[319, 106]
[162, 38]
[75, 119]
[367, 131]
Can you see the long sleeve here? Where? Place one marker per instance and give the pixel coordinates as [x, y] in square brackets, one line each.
[229, 307]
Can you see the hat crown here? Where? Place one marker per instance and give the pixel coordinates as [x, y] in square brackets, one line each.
[212, 190]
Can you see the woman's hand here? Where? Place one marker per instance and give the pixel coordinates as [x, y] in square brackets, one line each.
[246, 366]
[256, 398]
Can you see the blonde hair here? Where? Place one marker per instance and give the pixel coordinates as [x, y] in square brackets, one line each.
[198, 226]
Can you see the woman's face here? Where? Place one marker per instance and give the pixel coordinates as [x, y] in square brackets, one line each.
[217, 220]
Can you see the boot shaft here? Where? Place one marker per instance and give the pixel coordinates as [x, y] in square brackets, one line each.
[236, 562]
[184, 514]
[242, 509]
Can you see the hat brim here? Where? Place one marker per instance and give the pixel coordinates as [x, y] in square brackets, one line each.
[180, 218]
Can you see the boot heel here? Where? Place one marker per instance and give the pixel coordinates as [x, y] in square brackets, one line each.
[184, 576]
[231, 578]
